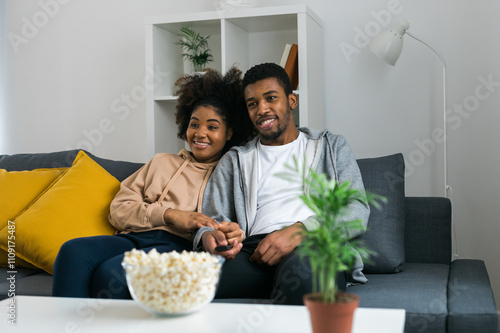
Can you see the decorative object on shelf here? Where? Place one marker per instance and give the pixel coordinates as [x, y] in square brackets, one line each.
[291, 63]
[388, 46]
[195, 47]
[236, 3]
[286, 53]
[330, 248]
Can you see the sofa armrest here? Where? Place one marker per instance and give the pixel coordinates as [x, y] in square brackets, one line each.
[471, 304]
[428, 230]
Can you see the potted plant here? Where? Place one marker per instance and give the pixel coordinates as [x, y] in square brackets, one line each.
[195, 47]
[331, 249]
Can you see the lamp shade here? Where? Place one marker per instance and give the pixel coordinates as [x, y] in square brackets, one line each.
[388, 45]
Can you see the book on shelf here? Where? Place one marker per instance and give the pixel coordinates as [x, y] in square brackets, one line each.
[284, 57]
[291, 64]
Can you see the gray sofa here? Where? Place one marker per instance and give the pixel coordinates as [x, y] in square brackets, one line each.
[412, 236]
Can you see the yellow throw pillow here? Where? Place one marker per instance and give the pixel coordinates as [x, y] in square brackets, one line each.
[76, 205]
[17, 190]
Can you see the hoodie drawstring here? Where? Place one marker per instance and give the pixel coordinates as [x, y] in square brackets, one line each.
[171, 181]
[202, 188]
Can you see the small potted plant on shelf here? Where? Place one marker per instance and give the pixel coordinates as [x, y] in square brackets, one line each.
[195, 47]
[331, 249]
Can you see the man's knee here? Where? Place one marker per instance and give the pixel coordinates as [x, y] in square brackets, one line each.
[293, 279]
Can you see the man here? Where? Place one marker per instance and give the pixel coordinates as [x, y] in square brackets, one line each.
[245, 188]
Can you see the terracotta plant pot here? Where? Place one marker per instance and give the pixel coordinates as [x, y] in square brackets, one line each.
[331, 317]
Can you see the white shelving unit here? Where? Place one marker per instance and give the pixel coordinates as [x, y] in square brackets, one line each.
[243, 37]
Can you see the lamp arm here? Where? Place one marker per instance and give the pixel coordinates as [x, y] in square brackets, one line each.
[421, 41]
[447, 188]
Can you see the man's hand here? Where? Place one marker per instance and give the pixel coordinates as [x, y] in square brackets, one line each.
[277, 245]
[232, 231]
[182, 221]
[214, 238]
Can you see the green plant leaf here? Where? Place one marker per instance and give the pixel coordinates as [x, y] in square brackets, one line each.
[330, 248]
[195, 48]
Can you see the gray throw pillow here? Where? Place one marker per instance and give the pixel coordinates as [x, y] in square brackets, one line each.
[386, 227]
[60, 159]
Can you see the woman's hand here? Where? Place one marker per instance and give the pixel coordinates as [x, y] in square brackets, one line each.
[232, 231]
[182, 221]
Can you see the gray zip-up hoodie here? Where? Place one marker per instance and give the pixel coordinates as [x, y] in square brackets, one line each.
[231, 192]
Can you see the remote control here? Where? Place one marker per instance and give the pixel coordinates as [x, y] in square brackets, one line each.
[223, 248]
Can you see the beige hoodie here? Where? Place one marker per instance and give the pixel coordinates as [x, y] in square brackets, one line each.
[167, 181]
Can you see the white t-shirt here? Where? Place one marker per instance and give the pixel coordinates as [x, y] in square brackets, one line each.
[278, 202]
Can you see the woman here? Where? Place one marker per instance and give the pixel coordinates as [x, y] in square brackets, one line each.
[159, 206]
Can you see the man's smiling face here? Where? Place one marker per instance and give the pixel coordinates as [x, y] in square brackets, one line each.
[271, 111]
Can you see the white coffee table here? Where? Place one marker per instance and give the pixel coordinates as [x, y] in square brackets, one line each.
[54, 314]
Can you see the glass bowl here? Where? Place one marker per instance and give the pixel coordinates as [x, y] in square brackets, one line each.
[172, 283]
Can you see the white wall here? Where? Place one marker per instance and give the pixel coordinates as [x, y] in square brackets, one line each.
[383, 109]
[87, 58]
[70, 65]
[3, 142]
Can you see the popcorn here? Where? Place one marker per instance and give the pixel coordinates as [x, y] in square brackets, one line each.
[172, 282]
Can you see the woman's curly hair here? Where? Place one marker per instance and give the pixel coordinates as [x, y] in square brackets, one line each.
[224, 93]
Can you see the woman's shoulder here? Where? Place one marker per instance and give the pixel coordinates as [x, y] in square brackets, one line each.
[163, 158]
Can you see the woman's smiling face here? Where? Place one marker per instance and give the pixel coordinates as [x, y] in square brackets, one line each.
[207, 134]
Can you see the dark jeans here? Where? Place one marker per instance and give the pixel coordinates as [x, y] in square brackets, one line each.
[285, 283]
[91, 266]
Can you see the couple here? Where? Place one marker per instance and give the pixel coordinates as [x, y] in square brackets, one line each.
[176, 202]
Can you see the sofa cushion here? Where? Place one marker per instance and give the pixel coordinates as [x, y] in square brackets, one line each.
[424, 214]
[32, 282]
[17, 190]
[76, 205]
[469, 283]
[17, 162]
[385, 235]
[421, 289]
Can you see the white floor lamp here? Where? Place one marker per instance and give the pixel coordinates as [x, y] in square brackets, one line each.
[387, 46]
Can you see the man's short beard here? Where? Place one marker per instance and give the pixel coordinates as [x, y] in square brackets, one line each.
[274, 135]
